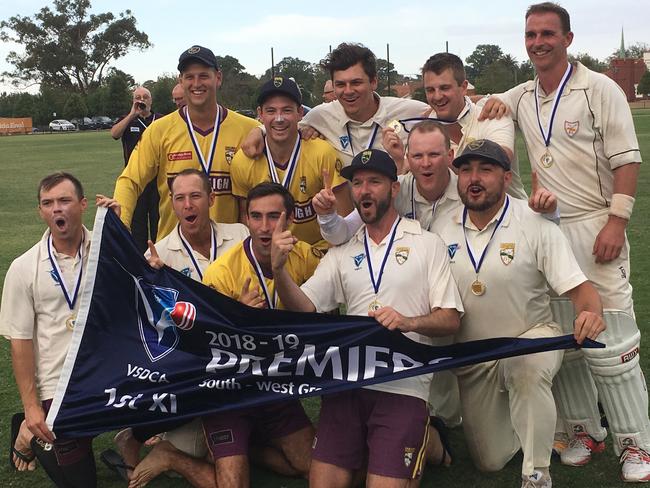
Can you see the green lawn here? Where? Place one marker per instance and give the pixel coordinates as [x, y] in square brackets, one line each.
[97, 160]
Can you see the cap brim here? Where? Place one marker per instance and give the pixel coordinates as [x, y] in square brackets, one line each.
[348, 172]
[462, 159]
[262, 98]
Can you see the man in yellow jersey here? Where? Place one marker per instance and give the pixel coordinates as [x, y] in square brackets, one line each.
[203, 135]
[284, 426]
[297, 164]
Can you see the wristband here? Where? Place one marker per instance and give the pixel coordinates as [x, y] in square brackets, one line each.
[621, 205]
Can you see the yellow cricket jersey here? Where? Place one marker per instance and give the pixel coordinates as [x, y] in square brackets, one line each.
[229, 272]
[166, 149]
[315, 155]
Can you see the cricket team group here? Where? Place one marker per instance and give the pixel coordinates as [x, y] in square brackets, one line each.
[408, 212]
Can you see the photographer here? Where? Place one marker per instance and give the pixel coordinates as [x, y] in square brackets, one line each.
[130, 129]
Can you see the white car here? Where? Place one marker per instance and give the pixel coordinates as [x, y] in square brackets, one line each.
[61, 125]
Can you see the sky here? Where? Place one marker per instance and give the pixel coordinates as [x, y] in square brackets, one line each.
[247, 29]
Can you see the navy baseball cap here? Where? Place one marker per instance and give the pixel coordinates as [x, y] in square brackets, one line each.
[373, 160]
[486, 150]
[280, 85]
[197, 54]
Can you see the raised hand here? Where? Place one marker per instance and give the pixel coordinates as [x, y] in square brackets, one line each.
[251, 297]
[153, 259]
[324, 202]
[282, 243]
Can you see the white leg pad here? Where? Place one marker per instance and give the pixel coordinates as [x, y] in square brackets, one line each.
[620, 381]
[574, 389]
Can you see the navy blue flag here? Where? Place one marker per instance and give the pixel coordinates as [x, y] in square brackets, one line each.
[153, 345]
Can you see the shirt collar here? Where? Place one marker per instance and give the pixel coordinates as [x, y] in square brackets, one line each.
[46, 235]
[406, 226]
[174, 243]
[470, 225]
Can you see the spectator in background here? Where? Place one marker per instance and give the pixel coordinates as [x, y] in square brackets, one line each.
[130, 129]
[178, 96]
[328, 92]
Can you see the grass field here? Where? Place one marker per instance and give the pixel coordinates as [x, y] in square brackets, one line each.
[97, 160]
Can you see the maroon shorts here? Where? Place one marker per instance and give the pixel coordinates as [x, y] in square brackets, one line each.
[70, 451]
[229, 433]
[386, 429]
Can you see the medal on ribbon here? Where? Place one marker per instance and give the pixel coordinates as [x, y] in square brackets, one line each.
[477, 287]
[547, 158]
[376, 282]
[206, 164]
[190, 251]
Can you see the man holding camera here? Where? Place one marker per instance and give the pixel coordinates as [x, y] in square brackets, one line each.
[130, 129]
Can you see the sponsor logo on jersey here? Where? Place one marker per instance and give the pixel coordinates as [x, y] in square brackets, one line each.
[230, 153]
[507, 252]
[358, 259]
[451, 249]
[303, 212]
[402, 254]
[345, 142]
[630, 355]
[179, 156]
[571, 128]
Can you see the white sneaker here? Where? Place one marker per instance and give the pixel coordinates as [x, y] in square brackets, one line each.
[580, 448]
[635, 465]
[536, 480]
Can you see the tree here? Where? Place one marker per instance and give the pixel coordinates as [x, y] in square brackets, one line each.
[526, 71]
[75, 107]
[118, 96]
[161, 93]
[634, 51]
[303, 73]
[643, 88]
[482, 57]
[384, 70]
[239, 88]
[589, 62]
[69, 48]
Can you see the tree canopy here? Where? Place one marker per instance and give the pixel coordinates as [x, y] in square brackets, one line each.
[68, 47]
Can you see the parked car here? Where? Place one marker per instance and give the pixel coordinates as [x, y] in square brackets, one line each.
[84, 123]
[102, 121]
[61, 125]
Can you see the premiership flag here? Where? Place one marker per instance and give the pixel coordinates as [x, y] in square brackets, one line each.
[154, 345]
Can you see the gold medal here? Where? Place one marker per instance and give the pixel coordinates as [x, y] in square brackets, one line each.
[395, 125]
[478, 287]
[546, 160]
[374, 306]
[70, 321]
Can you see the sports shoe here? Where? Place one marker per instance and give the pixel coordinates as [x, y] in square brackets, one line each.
[635, 465]
[580, 448]
[536, 480]
[560, 443]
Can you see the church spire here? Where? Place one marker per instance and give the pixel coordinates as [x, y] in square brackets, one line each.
[621, 50]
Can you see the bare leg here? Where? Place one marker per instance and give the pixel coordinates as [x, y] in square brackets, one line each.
[324, 475]
[165, 457]
[128, 447]
[272, 458]
[376, 481]
[232, 472]
[436, 454]
[23, 446]
[297, 449]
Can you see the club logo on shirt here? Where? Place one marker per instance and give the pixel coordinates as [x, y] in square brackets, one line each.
[230, 153]
[345, 141]
[402, 254]
[571, 128]
[187, 272]
[55, 277]
[451, 250]
[507, 252]
[303, 184]
[179, 156]
[358, 259]
[408, 456]
[338, 165]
